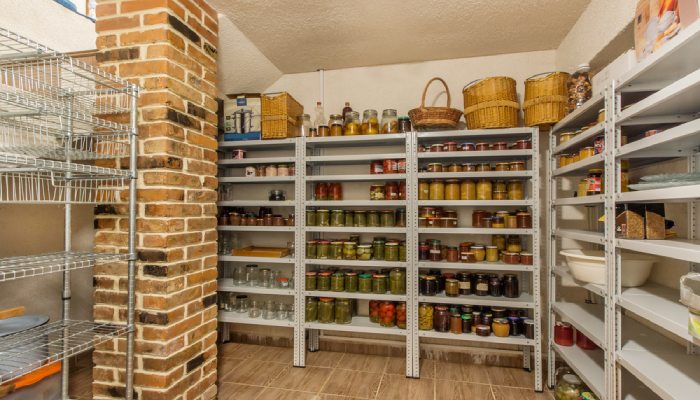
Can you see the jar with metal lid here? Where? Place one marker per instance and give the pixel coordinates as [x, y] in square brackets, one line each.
[397, 281]
[452, 287]
[310, 281]
[351, 282]
[502, 166]
[343, 311]
[454, 168]
[387, 218]
[349, 250]
[400, 218]
[374, 311]
[379, 284]
[324, 130]
[425, 317]
[435, 252]
[378, 249]
[311, 247]
[510, 257]
[401, 315]
[526, 258]
[387, 314]
[431, 286]
[482, 146]
[390, 123]
[337, 218]
[337, 282]
[437, 189]
[265, 274]
[364, 252]
[441, 318]
[323, 218]
[323, 281]
[478, 216]
[336, 125]
[335, 191]
[455, 323]
[479, 252]
[423, 190]
[322, 249]
[524, 220]
[517, 165]
[466, 323]
[491, 253]
[514, 244]
[359, 218]
[435, 167]
[501, 327]
[271, 170]
[498, 222]
[586, 152]
[326, 310]
[335, 250]
[464, 279]
[595, 182]
[452, 189]
[510, 286]
[364, 283]
[391, 251]
[423, 251]
[370, 122]
[481, 287]
[499, 146]
[376, 192]
[483, 167]
[499, 241]
[391, 191]
[468, 167]
[276, 195]
[352, 124]
[452, 254]
[311, 217]
[321, 191]
[515, 190]
[483, 330]
[311, 309]
[484, 189]
[495, 286]
[373, 219]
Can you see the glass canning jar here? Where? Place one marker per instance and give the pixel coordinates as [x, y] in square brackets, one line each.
[322, 247]
[351, 282]
[311, 217]
[310, 280]
[379, 284]
[387, 219]
[338, 282]
[397, 281]
[483, 189]
[326, 310]
[269, 310]
[390, 122]
[374, 311]
[467, 190]
[378, 249]
[425, 317]
[387, 314]
[335, 251]
[452, 287]
[364, 283]
[338, 218]
[343, 311]
[370, 122]
[391, 251]
[456, 323]
[311, 309]
[452, 189]
[515, 190]
[400, 218]
[437, 189]
[401, 315]
[360, 218]
[323, 217]
[349, 250]
[352, 124]
[323, 281]
[441, 319]
[373, 219]
[336, 124]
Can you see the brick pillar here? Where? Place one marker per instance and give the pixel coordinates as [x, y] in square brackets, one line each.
[168, 47]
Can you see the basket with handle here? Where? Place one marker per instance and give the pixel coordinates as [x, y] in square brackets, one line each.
[546, 98]
[491, 103]
[435, 117]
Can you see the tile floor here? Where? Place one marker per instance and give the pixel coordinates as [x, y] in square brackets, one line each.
[250, 372]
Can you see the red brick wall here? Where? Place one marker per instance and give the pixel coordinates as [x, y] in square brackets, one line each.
[168, 47]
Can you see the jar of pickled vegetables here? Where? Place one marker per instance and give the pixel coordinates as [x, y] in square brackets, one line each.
[311, 309]
[370, 122]
[311, 250]
[364, 252]
[359, 218]
[390, 122]
[387, 314]
[423, 190]
[373, 219]
[376, 192]
[364, 283]
[352, 124]
[441, 319]
[323, 218]
[452, 189]
[323, 281]
[400, 217]
[338, 218]
[336, 124]
[322, 249]
[374, 311]
[338, 282]
[437, 189]
[310, 280]
[515, 190]
[483, 189]
[425, 317]
[402, 251]
[326, 310]
[311, 217]
[379, 284]
[349, 250]
[351, 282]
[387, 219]
[391, 251]
[335, 251]
[401, 315]
[343, 311]
[467, 190]
[397, 281]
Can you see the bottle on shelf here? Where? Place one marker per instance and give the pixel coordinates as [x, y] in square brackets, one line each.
[319, 117]
[346, 109]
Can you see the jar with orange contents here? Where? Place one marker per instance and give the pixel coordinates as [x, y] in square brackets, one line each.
[452, 189]
[387, 314]
[374, 311]
[483, 189]
[437, 189]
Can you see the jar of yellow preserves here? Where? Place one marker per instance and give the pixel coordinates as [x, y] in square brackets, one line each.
[515, 190]
[437, 189]
[467, 190]
[352, 124]
[452, 189]
[483, 189]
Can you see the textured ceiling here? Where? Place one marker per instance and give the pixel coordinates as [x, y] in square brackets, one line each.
[303, 36]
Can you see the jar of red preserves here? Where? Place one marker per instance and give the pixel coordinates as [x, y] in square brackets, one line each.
[321, 191]
[374, 311]
[401, 166]
[391, 191]
[335, 191]
[387, 314]
[390, 166]
[402, 190]
[376, 167]
[563, 334]
[452, 254]
[441, 319]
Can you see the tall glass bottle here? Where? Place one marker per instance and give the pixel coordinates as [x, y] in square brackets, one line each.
[319, 116]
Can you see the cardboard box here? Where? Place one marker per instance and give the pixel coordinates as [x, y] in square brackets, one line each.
[238, 102]
[615, 70]
[658, 21]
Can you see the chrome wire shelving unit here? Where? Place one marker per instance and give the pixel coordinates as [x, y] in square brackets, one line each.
[52, 129]
[645, 350]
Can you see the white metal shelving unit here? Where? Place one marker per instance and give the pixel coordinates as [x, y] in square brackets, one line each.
[529, 275]
[49, 136]
[668, 84]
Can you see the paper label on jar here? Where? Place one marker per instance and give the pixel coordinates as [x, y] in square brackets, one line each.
[465, 285]
[482, 286]
[435, 251]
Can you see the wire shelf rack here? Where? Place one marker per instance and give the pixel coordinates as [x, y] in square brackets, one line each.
[27, 266]
[32, 349]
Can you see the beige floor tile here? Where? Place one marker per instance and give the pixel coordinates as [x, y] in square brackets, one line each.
[397, 366]
[508, 393]
[239, 350]
[226, 365]
[461, 372]
[352, 384]
[451, 390]
[513, 377]
[283, 355]
[326, 359]
[363, 362]
[235, 391]
[254, 372]
[323, 396]
[283, 394]
[395, 387]
[309, 379]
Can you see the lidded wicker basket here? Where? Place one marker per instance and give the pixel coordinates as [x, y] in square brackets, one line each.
[491, 103]
[435, 117]
[546, 98]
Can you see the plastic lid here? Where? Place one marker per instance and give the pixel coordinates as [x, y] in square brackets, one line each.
[572, 379]
[585, 67]
[466, 316]
[365, 276]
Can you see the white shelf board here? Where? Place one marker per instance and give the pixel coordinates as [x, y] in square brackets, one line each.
[475, 133]
[256, 203]
[580, 167]
[588, 365]
[357, 263]
[227, 285]
[261, 260]
[580, 201]
[679, 98]
[242, 318]
[679, 249]
[578, 234]
[524, 301]
[355, 229]
[475, 203]
[473, 337]
[358, 325]
[659, 305]
[474, 175]
[671, 194]
[356, 295]
[256, 179]
[353, 158]
[583, 139]
[356, 140]
[564, 272]
[478, 155]
[485, 266]
[238, 228]
[262, 144]
[356, 203]
[357, 178]
[587, 318]
[583, 115]
[258, 160]
[475, 231]
[681, 140]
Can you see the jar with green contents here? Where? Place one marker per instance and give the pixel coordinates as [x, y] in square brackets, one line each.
[323, 218]
[349, 220]
[360, 218]
[401, 218]
[322, 249]
[351, 281]
[373, 219]
[402, 251]
[397, 281]
[387, 219]
[311, 280]
[311, 309]
[338, 218]
[364, 252]
[323, 281]
[336, 251]
[338, 282]
[364, 283]
[391, 251]
[311, 246]
[379, 284]
[349, 250]
[378, 249]
[311, 217]
[343, 311]
[326, 310]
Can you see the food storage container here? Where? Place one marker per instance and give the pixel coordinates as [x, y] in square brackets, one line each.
[352, 124]
[326, 310]
[425, 317]
[387, 314]
[589, 266]
[563, 334]
[390, 122]
[370, 122]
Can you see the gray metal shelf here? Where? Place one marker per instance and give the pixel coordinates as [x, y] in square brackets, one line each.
[581, 116]
[583, 139]
[474, 175]
[27, 266]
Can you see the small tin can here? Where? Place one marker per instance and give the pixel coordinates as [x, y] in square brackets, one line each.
[238, 154]
[599, 144]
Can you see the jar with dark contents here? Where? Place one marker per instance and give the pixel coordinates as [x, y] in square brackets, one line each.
[431, 286]
[483, 330]
[404, 124]
[441, 319]
[423, 251]
[481, 284]
[391, 191]
[464, 279]
[516, 327]
[452, 254]
[495, 286]
[511, 288]
[466, 323]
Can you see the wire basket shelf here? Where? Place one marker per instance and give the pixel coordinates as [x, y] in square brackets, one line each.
[27, 351]
[12, 268]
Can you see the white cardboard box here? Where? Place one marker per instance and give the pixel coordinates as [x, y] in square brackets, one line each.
[625, 62]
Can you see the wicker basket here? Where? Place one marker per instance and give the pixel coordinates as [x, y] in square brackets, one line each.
[279, 115]
[435, 117]
[279, 127]
[491, 103]
[545, 98]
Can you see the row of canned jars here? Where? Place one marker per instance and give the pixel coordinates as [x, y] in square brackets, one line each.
[328, 310]
[482, 189]
[466, 284]
[351, 125]
[356, 218]
[507, 250]
[482, 321]
[377, 282]
[522, 144]
[380, 249]
[475, 167]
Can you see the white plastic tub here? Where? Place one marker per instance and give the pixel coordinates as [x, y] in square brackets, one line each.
[589, 266]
